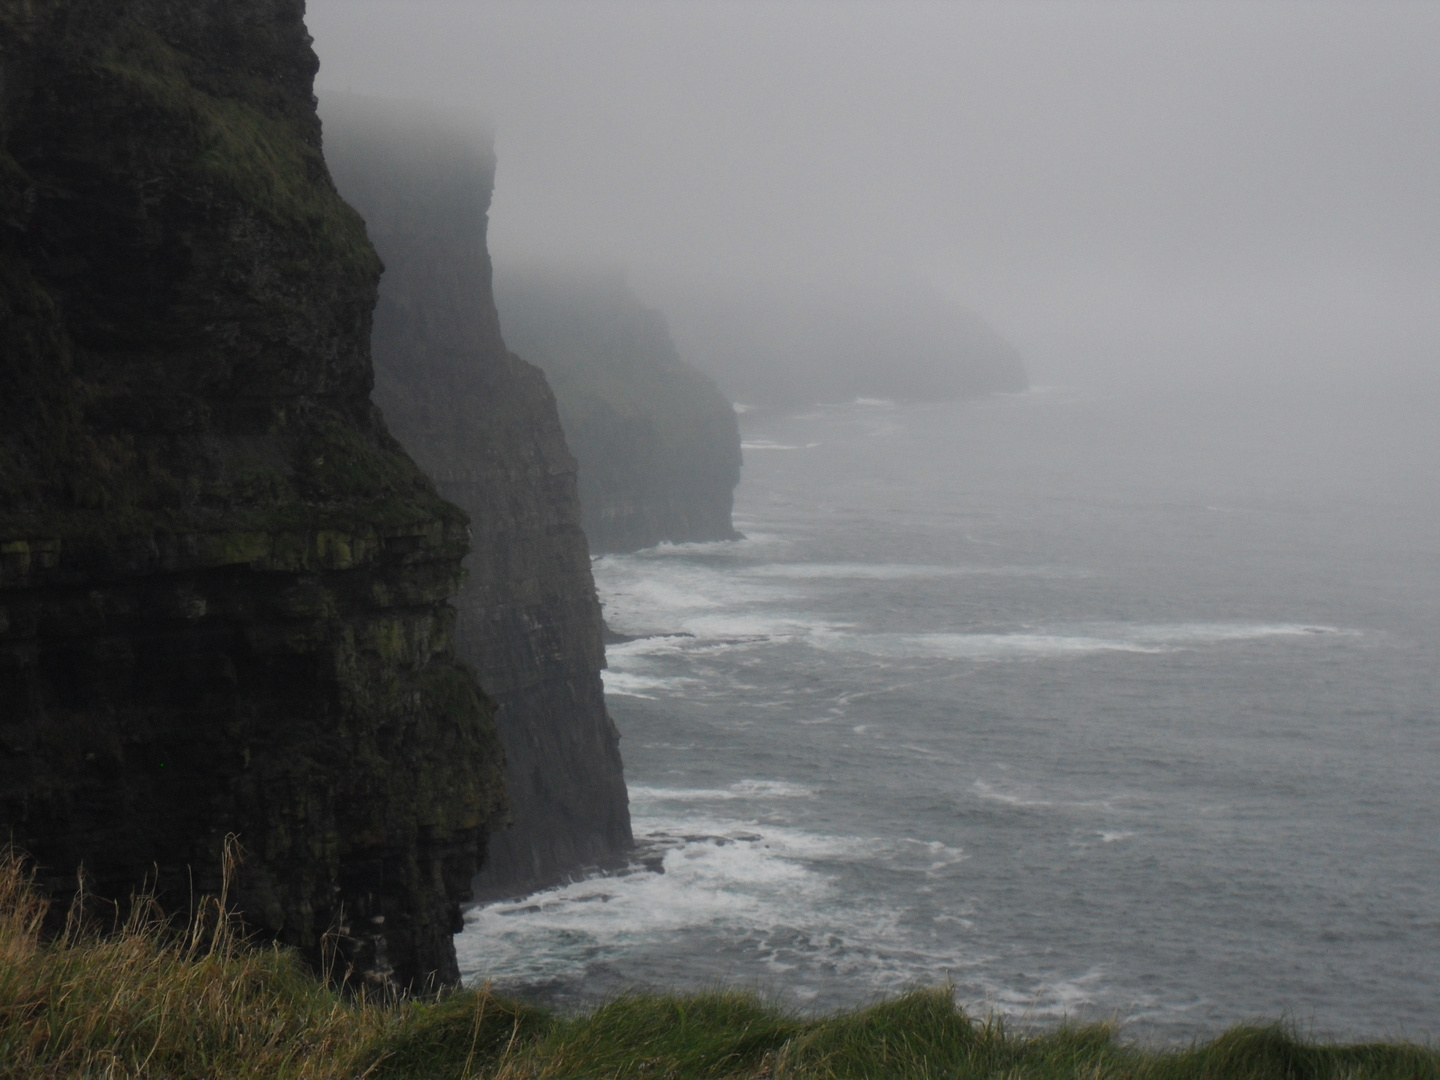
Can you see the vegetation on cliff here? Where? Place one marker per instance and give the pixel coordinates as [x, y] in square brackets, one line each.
[223, 585]
[148, 999]
[657, 442]
[132, 157]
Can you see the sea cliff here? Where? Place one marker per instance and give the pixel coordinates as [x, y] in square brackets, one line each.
[657, 443]
[484, 424]
[223, 584]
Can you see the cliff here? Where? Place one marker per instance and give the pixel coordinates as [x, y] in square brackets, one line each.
[223, 585]
[658, 445]
[483, 423]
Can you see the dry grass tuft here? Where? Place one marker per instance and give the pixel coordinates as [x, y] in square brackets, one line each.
[145, 998]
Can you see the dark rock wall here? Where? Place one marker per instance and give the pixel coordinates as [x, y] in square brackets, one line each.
[483, 423]
[223, 585]
[657, 443]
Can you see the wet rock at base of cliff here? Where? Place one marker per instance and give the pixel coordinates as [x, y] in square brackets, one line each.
[224, 586]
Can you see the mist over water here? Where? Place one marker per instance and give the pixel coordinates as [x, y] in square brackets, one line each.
[1092, 710]
[1117, 698]
[1127, 193]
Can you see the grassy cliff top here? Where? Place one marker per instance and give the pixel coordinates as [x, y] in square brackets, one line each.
[148, 1000]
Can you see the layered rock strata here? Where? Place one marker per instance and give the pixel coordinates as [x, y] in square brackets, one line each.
[223, 584]
[483, 423]
[657, 443]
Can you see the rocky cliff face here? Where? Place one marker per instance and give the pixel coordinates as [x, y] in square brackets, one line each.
[484, 424]
[657, 443]
[223, 585]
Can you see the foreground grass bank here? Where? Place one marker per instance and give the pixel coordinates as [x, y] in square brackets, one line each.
[146, 1001]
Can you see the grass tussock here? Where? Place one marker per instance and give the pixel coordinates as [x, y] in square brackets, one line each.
[145, 998]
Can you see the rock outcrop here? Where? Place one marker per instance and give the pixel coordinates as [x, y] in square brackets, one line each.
[483, 423]
[223, 584]
[657, 443]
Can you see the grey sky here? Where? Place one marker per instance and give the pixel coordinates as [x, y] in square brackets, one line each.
[1177, 189]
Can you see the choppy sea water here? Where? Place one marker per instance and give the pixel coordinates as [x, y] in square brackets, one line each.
[1095, 708]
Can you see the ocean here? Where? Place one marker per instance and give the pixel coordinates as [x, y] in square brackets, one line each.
[1093, 706]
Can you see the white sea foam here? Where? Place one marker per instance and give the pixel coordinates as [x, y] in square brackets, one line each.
[747, 546]
[734, 880]
[1114, 638]
[766, 444]
[658, 595]
[977, 646]
[681, 612]
[1047, 997]
[942, 856]
[774, 896]
[756, 538]
[1019, 795]
[739, 626]
[900, 571]
[1204, 633]
[659, 645]
[770, 892]
[631, 684]
[679, 605]
[743, 789]
[991, 793]
[754, 884]
[716, 633]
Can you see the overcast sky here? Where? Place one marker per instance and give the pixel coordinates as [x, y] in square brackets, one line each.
[1121, 189]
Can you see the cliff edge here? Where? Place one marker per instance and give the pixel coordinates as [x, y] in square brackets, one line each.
[223, 585]
[483, 423]
[657, 443]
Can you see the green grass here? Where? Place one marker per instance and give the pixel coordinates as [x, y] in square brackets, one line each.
[145, 997]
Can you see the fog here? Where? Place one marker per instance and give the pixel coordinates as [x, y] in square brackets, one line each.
[1112, 701]
[1156, 194]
